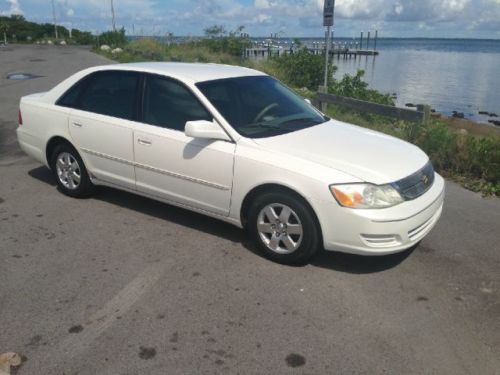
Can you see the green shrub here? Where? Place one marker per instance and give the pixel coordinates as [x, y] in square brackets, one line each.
[220, 41]
[300, 69]
[355, 87]
[113, 38]
[83, 37]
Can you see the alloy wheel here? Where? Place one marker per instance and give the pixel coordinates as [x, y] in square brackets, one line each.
[279, 228]
[68, 170]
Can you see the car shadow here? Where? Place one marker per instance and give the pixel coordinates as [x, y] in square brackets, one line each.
[359, 264]
[335, 261]
[43, 174]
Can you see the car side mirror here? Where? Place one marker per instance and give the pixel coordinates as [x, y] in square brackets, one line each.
[205, 129]
[308, 101]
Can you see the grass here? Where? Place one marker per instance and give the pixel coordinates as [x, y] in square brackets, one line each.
[151, 50]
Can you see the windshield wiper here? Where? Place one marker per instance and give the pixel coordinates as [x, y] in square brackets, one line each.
[260, 125]
[302, 121]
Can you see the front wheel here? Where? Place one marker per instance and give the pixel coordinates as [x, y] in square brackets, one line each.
[284, 228]
[69, 170]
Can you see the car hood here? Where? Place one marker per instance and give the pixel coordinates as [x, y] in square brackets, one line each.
[368, 155]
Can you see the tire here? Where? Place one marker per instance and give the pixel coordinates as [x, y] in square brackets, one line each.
[293, 238]
[69, 170]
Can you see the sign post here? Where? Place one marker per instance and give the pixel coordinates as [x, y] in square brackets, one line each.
[328, 11]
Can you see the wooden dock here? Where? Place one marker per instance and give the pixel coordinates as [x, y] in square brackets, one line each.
[267, 51]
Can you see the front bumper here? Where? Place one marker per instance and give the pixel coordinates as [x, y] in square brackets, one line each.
[381, 231]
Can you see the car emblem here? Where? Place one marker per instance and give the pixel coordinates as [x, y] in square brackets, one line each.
[424, 179]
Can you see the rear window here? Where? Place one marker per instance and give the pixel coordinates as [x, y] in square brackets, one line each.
[71, 96]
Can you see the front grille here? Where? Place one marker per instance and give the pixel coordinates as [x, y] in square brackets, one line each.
[416, 184]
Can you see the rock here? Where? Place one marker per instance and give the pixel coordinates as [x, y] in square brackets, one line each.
[105, 47]
[458, 114]
[116, 50]
[8, 360]
[483, 113]
[494, 122]
[433, 110]
[463, 132]
[62, 42]
[493, 115]
[50, 42]
[410, 105]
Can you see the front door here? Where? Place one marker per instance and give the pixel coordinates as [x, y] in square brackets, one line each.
[194, 172]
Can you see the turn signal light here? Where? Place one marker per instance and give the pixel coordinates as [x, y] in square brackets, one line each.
[347, 200]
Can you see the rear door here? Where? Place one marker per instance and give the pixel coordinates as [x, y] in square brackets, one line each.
[102, 125]
[168, 164]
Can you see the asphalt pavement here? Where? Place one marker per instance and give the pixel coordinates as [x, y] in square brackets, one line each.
[119, 284]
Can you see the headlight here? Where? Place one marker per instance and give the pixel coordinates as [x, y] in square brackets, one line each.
[366, 195]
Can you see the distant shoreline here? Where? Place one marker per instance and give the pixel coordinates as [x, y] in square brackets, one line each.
[323, 37]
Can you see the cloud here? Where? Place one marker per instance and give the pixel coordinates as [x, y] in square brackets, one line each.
[262, 17]
[14, 8]
[427, 10]
[355, 9]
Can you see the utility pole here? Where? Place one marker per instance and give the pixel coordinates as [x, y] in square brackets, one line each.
[54, 17]
[113, 15]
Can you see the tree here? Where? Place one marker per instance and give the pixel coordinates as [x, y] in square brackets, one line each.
[215, 31]
[4, 27]
[113, 38]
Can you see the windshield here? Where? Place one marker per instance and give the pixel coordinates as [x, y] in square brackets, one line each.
[260, 106]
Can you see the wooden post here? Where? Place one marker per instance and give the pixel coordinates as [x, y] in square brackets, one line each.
[361, 41]
[427, 114]
[376, 37]
[322, 105]
[368, 41]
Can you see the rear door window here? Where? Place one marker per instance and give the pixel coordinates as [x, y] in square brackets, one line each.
[111, 93]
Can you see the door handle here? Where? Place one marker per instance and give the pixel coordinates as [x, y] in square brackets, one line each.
[145, 142]
[77, 124]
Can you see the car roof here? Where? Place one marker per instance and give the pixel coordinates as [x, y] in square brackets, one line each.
[187, 72]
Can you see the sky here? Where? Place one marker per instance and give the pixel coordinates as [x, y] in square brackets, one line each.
[289, 18]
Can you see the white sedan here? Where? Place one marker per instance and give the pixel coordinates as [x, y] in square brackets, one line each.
[237, 145]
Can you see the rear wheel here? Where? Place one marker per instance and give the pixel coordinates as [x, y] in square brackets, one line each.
[70, 172]
[284, 228]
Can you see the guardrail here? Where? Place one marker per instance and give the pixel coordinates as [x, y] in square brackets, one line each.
[421, 115]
